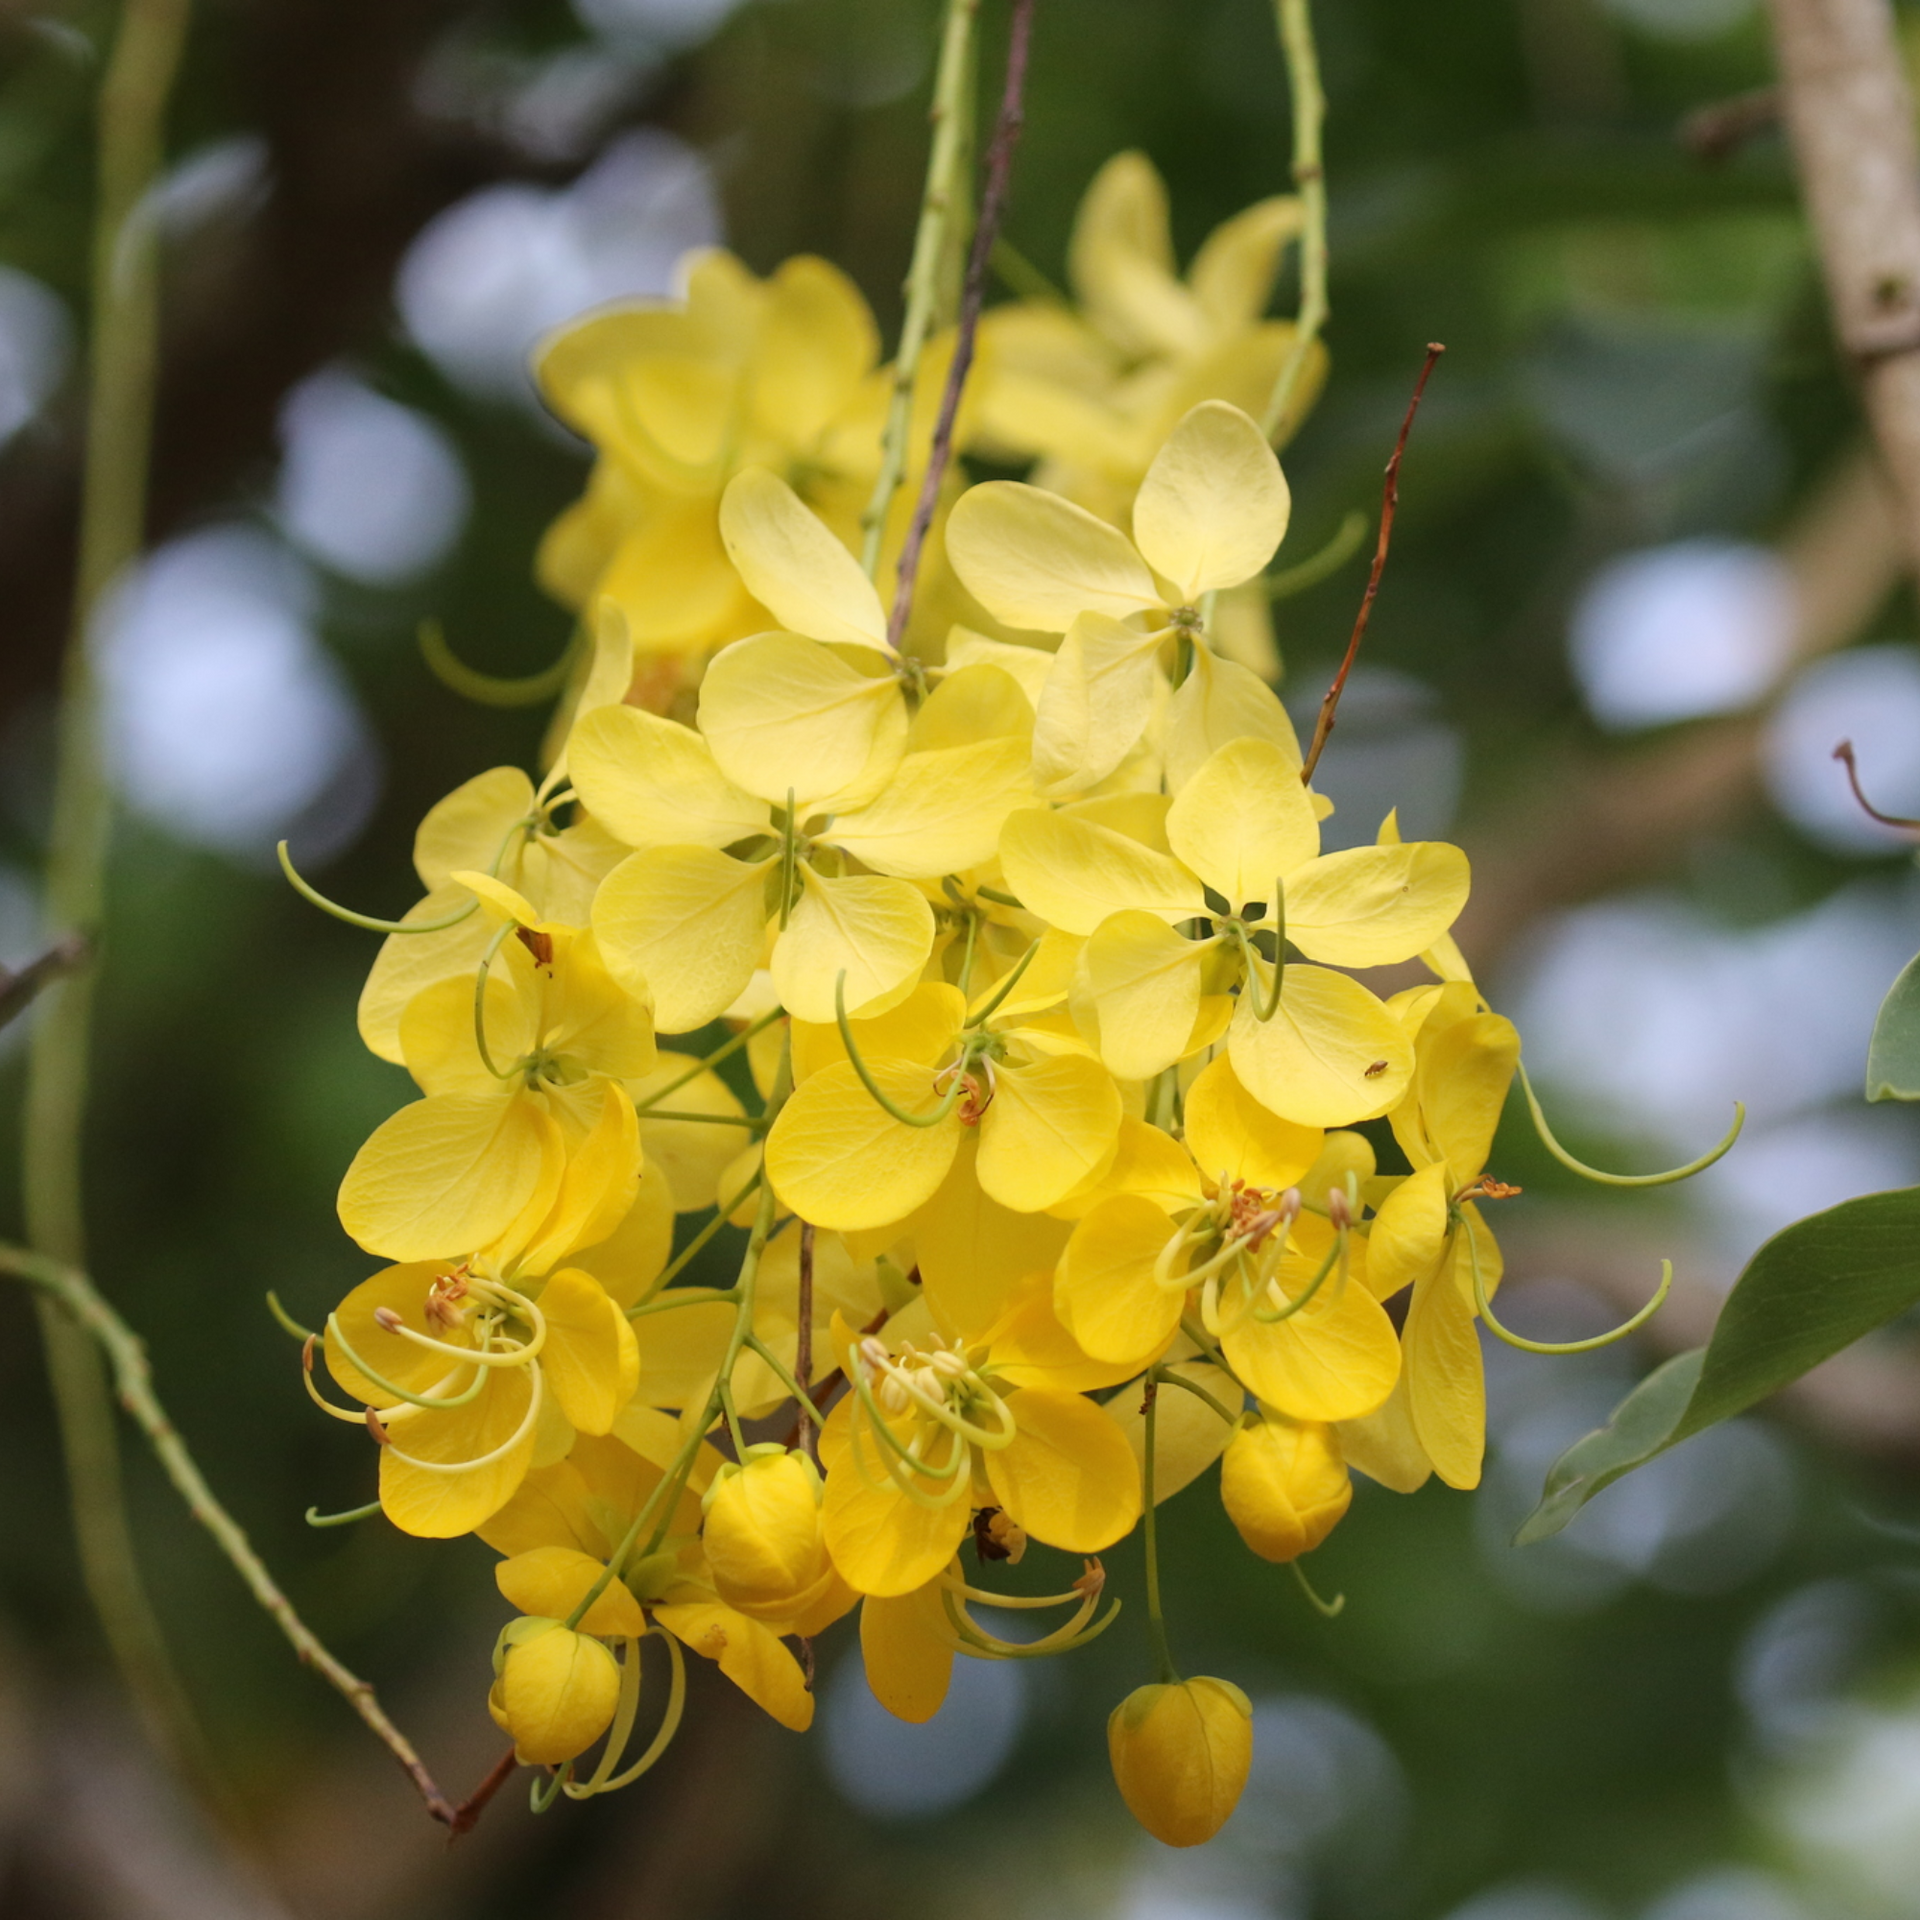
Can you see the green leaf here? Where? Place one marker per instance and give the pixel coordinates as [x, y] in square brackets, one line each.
[1814, 1288]
[1893, 1060]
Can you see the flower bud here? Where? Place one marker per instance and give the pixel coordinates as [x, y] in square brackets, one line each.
[556, 1690]
[763, 1539]
[1180, 1756]
[1285, 1485]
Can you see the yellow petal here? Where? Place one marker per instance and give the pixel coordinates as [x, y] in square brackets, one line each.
[1144, 981]
[437, 1028]
[975, 703]
[972, 1251]
[1243, 822]
[941, 812]
[629, 1259]
[784, 714]
[1229, 1132]
[1147, 1162]
[1214, 504]
[1409, 1233]
[450, 1173]
[691, 1154]
[1446, 1387]
[1026, 666]
[1105, 1290]
[1464, 1071]
[751, 1655]
[1049, 1127]
[655, 783]
[1232, 274]
[882, 1542]
[1031, 1347]
[588, 1016]
[552, 1507]
[681, 1351]
[1188, 1435]
[922, 1028]
[466, 829]
[1372, 906]
[837, 1159]
[597, 1191]
[1074, 873]
[875, 930]
[1220, 701]
[1335, 1358]
[1331, 1055]
[816, 344]
[685, 924]
[1383, 1445]
[1096, 703]
[590, 1358]
[408, 963]
[793, 565]
[554, 1580]
[1037, 561]
[906, 1644]
[1069, 1477]
[1285, 1486]
[556, 1694]
[436, 1494]
[401, 1290]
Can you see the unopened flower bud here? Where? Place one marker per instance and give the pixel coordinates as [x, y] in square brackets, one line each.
[556, 1690]
[1285, 1486]
[763, 1540]
[1180, 1754]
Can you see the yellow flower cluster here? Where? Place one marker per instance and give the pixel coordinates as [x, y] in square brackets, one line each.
[1047, 1051]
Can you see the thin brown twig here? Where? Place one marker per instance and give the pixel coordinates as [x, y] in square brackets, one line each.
[466, 1815]
[18, 990]
[133, 1383]
[1389, 505]
[1718, 130]
[993, 207]
[1844, 754]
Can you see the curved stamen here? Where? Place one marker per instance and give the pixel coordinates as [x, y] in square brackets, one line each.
[949, 1100]
[669, 1723]
[315, 1518]
[1494, 1327]
[974, 1639]
[895, 1458]
[286, 1320]
[1326, 1609]
[1586, 1172]
[480, 1002]
[506, 1446]
[314, 897]
[1336, 1256]
[940, 1410]
[626, 1708]
[905, 1452]
[491, 690]
[432, 1402]
[1007, 985]
[1265, 1007]
[1195, 1230]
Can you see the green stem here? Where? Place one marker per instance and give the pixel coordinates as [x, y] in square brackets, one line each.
[125, 327]
[1295, 21]
[952, 116]
[713, 1059]
[1166, 1672]
[723, 1212]
[72, 1299]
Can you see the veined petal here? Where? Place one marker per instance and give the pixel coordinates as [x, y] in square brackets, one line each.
[1220, 701]
[1372, 906]
[1069, 1478]
[685, 924]
[1031, 1346]
[590, 1358]
[1037, 561]
[1332, 1053]
[1383, 1445]
[972, 1252]
[1334, 1359]
[1144, 981]
[787, 715]
[407, 963]
[976, 703]
[589, 1016]
[441, 1505]
[1073, 873]
[1229, 1132]
[1147, 1162]
[553, 1580]
[816, 344]
[690, 1154]
[654, 783]
[629, 1259]
[1214, 504]
[1096, 702]
[905, 1642]
[1105, 1290]
[1409, 1232]
[467, 827]
[1049, 1127]
[882, 1542]
[749, 1653]
[1446, 1383]
[1188, 1436]
[451, 1172]
[877, 931]
[1232, 274]
[922, 1028]
[838, 1159]
[437, 1032]
[1028, 667]
[597, 1192]
[941, 812]
[1243, 822]
[1461, 1080]
[794, 565]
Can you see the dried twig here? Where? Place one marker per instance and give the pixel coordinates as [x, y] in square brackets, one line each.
[17, 990]
[1721, 128]
[1844, 754]
[993, 207]
[1389, 505]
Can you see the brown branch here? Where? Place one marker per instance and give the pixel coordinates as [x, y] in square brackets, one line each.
[17, 990]
[467, 1814]
[1850, 113]
[1718, 131]
[993, 207]
[1389, 506]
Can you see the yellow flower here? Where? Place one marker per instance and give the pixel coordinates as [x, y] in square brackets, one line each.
[1180, 1754]
[1209, 514]
[1047, 1120]
[1284, 1485]
[1125, 874]
[940, 1420]
[1093, 393]
[765, 1550]
[1276, 1287]
[526, 1144]
[555, 1693]
[1428, 1233]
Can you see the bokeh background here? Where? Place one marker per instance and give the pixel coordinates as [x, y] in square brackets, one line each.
[1644, 580]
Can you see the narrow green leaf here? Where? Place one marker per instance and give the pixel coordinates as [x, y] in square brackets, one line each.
[1893, 1059]
[1813, 1289]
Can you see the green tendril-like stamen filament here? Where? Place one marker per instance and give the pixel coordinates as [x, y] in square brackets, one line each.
[968, 1430]
[1485, 1307]
[1005, 987]
[480, 1003]
[670, 1720]
[506, 1446]
[949, 1100]
[491, 690]
[973, 1639]
[896, 1458]
[1326, 1609]
[286, 1320]
[685, 1257]
[314, 897]
[1336, 1257]
[626, 1710]
[645, 1107]
[431, 1402]
[1586, 1172]
[789, 862]
[1267, 1004]
[546, 1792]
[1167, 1377]
[315, 1518]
